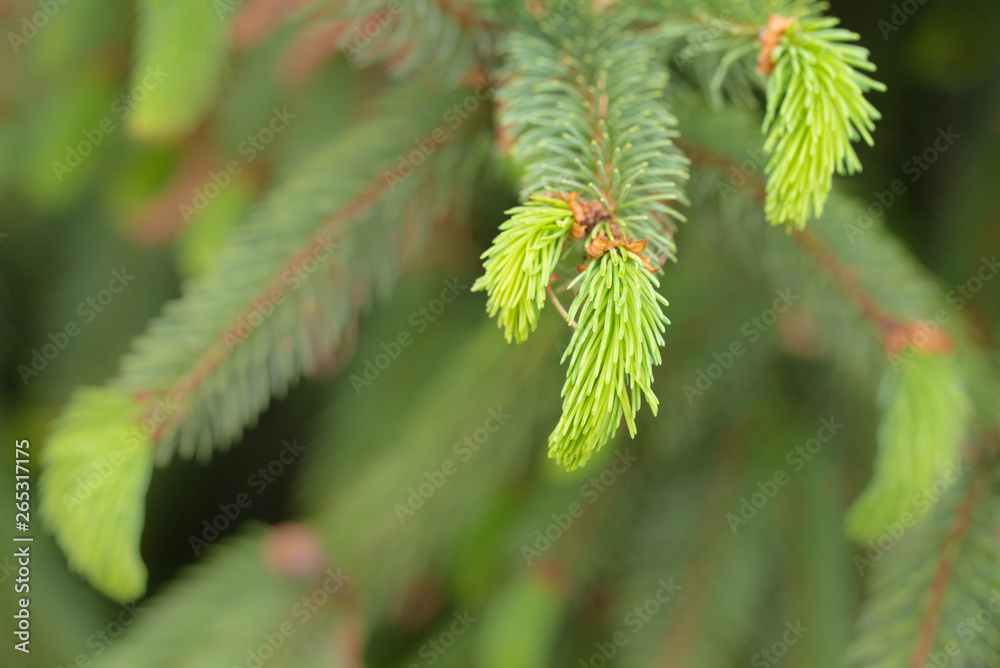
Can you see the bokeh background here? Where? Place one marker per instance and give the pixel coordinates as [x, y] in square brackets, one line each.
[64, 234]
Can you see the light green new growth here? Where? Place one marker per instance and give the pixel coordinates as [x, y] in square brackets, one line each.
[611, 355]
[521, 260]
[583, 107]
[197, 377]
[181, 53]
[97, 467]
[815, 108]
[927, 409]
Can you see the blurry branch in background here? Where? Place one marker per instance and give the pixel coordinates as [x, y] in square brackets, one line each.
[428, 484]
[208, 367]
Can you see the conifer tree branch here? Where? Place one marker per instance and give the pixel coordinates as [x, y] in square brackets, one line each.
[276, 305]
[927, 407]
[585, 114]
[208, 362]
[930, 584]
[896, 333]
[589, 117]
[405, 37]
[330, 259]
[893, 329]
[815, 88]
[950, 550]
[611, 355]
[815, 109]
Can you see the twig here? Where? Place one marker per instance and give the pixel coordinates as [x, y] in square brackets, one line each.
[559, 307]
[896, 333]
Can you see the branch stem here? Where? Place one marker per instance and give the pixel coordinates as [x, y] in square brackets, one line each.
[559, 307]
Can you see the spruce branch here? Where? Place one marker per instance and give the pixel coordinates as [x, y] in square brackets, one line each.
[611, 355]
[924, 391]
[521, 260]
[930, 584]
[94, 481]
[815, 108]
[280, 300]
[405, 37]
[927, 410]
[896, 332]
[932, 611]
[715, 51]
[586, 114]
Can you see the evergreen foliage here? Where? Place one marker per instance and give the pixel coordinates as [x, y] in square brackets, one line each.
[855, 393]
[180, 57]
[929, 597]
[96, 468]
[277, 303]
[583, 107]
[521, 261]
[815, 108]
[583, 104]
[611, 355]
[927, 410]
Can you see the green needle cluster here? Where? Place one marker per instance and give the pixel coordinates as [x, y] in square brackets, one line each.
[815, 108]
[521, 260]
[927, 408]
[611, 355]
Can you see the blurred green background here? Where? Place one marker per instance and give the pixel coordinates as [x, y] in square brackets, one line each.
[122, 208]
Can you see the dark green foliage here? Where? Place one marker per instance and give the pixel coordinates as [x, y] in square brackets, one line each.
[307, 201]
